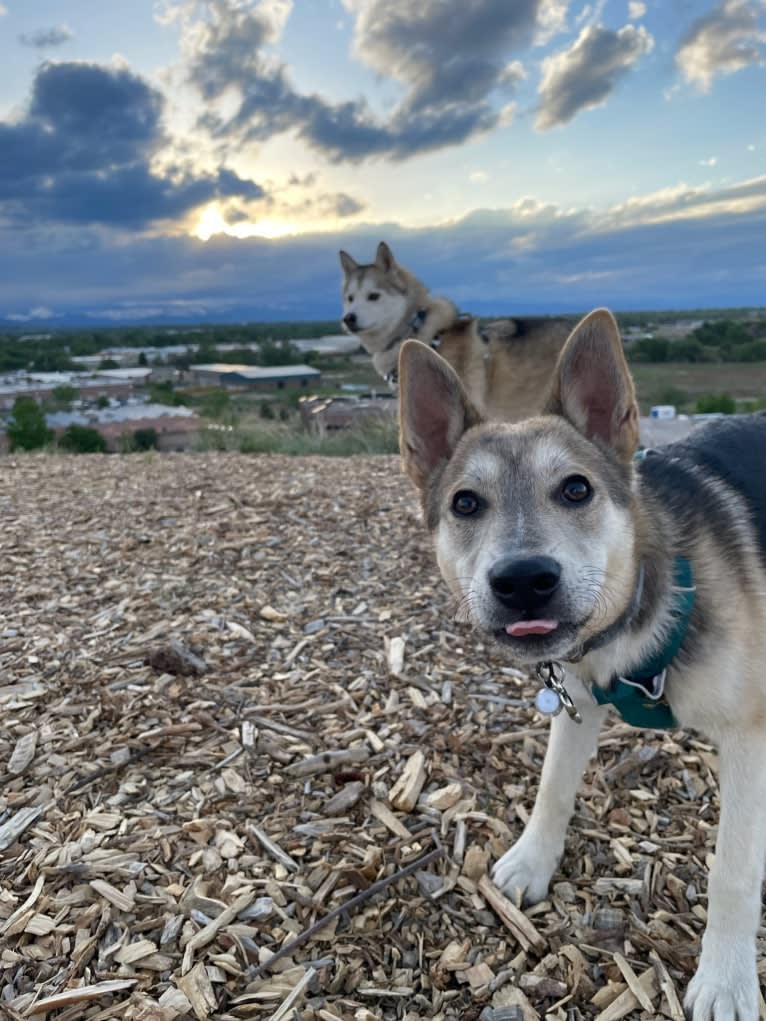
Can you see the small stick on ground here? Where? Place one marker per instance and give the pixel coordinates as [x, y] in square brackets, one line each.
[349, 905]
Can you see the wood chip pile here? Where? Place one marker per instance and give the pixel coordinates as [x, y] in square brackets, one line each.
[234, 703]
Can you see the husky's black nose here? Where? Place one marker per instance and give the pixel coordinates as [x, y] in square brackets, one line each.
[526, 584]
[350, 320]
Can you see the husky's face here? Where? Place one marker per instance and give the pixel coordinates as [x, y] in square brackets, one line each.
[375, 298]
[534, 535]
[532, 522]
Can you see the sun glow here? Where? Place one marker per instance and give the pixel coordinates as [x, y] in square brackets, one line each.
[212, 222]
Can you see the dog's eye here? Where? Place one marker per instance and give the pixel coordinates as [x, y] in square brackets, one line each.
[373, 296]
[576, 489]
[465, 503]
[351, 297]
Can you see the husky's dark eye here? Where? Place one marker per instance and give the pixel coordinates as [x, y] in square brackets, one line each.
[465, 503]
[373, 296]
[351, 297]
[576, 489]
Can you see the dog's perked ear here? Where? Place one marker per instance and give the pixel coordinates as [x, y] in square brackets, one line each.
[434, 411]
[348, 264]
[384, 258]
[592, 385]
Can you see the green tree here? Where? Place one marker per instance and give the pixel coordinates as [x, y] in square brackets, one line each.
[108, 363]
[145, 439]
[62, 397]
[82, 439]
[691, 350]
[650, 349]
[102, 401]
[26, 428]
[142, 359]
[723, 334]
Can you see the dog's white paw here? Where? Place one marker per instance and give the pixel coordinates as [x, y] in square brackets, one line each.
[524, 873]
[726, 992]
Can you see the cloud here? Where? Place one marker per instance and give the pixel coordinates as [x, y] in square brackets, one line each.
[451, 60]
[711, 161]
[39, 312]
[3, 10]
[342, 205]
[584, 76]
[723, 42]
[83, 152]
[684, 246]
[636, 9]
[45, 38]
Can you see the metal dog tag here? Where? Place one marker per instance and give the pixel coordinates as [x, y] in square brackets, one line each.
[548, 702]
[552, 675]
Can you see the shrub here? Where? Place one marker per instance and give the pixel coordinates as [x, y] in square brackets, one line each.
[27, 429]
[63, 396]
[716, 403]
[145, 439]
[650, 349]
[215, 404]
[82, 439]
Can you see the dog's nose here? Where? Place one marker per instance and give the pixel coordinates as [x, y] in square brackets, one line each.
[350, 320]
[525, 584]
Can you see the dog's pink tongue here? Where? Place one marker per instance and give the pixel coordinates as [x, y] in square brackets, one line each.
[522, 628]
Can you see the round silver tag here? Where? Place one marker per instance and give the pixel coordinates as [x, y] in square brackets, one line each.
[548, 702]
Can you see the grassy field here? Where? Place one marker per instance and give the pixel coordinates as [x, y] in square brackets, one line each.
[269, 422]
[682, 383]
[251, 435]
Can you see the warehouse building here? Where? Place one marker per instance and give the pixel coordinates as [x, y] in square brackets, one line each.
[254, 377]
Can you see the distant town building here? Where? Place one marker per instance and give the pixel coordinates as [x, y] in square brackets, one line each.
[89, 386]
[337, 344]
[176, 427]
[253, 376]
[327, 414]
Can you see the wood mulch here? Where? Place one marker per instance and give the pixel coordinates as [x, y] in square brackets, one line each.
[234, 703]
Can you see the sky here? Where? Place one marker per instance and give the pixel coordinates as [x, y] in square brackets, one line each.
[175, 160]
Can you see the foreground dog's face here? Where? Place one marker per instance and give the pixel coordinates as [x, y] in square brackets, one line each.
[532, 522]
[374, 295]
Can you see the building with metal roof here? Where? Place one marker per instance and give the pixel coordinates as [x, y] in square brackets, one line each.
[253, 376]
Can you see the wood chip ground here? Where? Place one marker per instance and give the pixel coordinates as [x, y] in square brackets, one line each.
[233, 699]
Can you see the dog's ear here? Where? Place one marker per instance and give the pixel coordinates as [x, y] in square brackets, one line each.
[434, 411]
[592, 385]
[384, 258]
[347, 263]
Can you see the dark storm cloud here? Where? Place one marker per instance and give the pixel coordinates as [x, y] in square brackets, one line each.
[584, 75]
[452, 58]
[82, 153]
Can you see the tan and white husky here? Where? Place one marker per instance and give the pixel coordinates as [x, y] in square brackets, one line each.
[640, 583]
[505, 366]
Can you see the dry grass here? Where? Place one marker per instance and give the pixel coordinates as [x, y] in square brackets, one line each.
[167, 825]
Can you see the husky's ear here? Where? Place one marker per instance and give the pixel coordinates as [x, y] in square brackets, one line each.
[347, 263]
[384, 258]
[593, 388]
[434, 411]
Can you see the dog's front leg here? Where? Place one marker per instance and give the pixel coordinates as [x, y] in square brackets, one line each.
[527, 868]
[725, 986]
